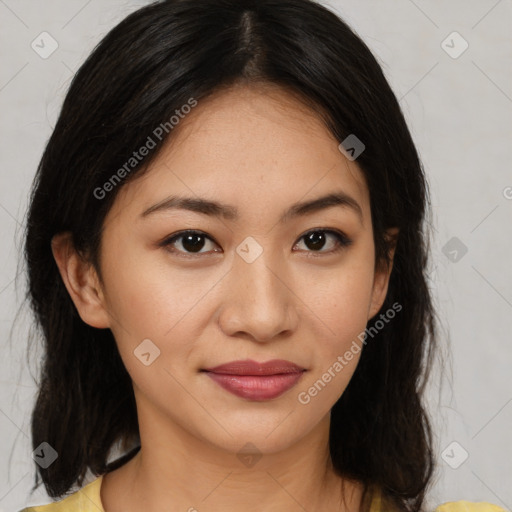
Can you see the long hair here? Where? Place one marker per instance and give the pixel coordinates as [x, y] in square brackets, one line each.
[143, 71]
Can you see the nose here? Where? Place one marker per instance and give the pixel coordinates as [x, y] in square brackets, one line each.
[259, 302]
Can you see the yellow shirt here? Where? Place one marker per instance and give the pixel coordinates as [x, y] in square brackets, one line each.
[88, 499]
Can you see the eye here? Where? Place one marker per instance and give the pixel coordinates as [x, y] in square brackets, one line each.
[191, 242]
[317, 239]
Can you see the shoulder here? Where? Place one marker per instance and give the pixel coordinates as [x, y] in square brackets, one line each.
[86, 499]
[380, 503]
[468, 506]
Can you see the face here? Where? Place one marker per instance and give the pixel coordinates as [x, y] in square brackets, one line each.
[255, 278]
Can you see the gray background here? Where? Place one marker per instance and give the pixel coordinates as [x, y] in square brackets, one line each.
[459, 110]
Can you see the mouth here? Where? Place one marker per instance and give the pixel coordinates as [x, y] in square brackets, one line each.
[256, 381]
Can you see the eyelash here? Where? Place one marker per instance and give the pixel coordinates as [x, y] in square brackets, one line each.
[342, 242]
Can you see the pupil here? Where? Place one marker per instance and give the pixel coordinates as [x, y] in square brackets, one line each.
[315, 240]
[193, 243]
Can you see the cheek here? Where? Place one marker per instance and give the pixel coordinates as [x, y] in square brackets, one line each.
[148, 298]
[341, 319]
[340, 297]
[147, 295]
[338, 306]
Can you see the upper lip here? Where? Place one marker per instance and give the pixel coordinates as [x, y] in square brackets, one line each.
[250, 367]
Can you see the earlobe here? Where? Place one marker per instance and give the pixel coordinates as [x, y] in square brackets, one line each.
[382, 275]
[81, 281]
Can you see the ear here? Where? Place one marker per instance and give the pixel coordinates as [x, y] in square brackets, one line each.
[81, 281]
[382, 274]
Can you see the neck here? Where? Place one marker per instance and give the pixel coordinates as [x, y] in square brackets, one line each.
[175, 469]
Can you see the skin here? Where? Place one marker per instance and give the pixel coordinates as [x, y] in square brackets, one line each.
[259, 150]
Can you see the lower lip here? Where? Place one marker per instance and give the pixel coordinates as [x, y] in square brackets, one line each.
[253, 387]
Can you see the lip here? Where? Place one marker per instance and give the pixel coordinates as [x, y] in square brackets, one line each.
[250, 367]
[256, 381]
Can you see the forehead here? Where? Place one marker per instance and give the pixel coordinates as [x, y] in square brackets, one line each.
[250, 146]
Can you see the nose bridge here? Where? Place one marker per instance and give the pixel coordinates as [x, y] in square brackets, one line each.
[258, 302]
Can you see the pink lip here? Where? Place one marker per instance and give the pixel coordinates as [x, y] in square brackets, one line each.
[256, 381]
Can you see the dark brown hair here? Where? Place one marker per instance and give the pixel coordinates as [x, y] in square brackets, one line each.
[145, 69]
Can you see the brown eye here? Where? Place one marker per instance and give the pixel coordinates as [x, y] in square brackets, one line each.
[318, 239]
[193, 242]
[188, 242]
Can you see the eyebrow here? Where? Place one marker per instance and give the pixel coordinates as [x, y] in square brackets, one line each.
[216, 209]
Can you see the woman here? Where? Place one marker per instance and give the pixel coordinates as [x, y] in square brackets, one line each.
[226, 255]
